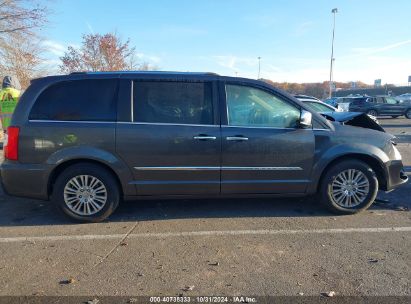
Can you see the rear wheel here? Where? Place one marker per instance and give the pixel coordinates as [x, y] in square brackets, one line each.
[372, 113]
[408, 114]
[86, 192]
[349, 187]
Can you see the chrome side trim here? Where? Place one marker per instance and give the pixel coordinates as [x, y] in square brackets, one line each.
[164, 124]
[132, 101]
[262, 127]
[176, 168]
[72, 121]
[224, 168]
[161, 124]
[261, 168]
[120, 122]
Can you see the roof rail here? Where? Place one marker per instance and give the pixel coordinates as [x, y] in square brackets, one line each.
[142, 72]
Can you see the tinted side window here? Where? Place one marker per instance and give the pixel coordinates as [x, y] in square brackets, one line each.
[248, 106]
[78, 100]
[390, 100]
[173, 102]
[359, 101]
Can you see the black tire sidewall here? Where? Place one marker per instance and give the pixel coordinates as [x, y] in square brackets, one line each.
[372, 112]
[408, 114]
[325, 189]
[113, 196]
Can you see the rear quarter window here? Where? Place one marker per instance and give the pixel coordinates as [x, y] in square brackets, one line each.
[77, 100]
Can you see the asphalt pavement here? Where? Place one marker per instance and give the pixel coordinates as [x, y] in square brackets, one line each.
[287, 247]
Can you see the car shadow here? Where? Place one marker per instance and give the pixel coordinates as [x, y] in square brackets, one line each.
[28, 212]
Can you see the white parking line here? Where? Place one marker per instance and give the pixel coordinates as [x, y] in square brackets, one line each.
[199, 233]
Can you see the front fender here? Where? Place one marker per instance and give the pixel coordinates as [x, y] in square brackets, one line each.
[343, 150]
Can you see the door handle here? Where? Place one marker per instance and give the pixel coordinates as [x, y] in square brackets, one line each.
[205, 137]
[236, 138]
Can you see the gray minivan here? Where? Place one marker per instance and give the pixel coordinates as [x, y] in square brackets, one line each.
[90, 140]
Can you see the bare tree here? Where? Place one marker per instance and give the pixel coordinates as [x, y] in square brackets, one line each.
[20, 44]
[21, 16]
[21, 57]
[133, 63]
[101, 53]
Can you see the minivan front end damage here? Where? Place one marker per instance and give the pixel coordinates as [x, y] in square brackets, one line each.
[354, 119]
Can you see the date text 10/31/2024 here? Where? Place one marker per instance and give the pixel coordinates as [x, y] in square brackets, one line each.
[203, 299]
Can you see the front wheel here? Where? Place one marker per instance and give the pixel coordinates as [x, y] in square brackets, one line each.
[408, 114]
[349, 187]
[86, 192]
[372, 113]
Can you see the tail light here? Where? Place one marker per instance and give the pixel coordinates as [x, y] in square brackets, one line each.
[11, 143]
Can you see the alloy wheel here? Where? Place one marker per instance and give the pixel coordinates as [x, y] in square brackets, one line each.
[350, 188]
[372, 113]
[85, 194]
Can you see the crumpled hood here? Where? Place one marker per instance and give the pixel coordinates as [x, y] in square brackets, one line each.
[356, 119]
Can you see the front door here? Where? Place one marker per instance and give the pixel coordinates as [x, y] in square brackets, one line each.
[263, 148]
[392, 107]
[173, 142]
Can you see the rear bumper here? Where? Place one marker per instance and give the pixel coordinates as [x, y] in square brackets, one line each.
[25, 180]
[395, 175]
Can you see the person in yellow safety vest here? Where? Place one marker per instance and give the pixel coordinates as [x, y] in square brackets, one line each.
[9, 96]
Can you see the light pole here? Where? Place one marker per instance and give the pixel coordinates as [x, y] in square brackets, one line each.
[333, 11]
[259, 67]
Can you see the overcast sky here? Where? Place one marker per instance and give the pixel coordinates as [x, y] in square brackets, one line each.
[293, 37]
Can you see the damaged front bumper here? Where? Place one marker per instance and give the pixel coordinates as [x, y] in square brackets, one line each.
[395, 175]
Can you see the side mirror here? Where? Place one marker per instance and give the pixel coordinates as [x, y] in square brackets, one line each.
[306, 119]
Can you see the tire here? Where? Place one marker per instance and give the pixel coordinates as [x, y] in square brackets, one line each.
[372, 113]
[408, 114]
[102, 198]
[329, 187]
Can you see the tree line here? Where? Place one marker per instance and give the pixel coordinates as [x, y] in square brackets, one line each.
[316, 89]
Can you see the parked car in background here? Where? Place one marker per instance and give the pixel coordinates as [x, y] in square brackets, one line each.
[333, 101]
[90, 140]
[357, 119]
[318, 105]
[404, 97]
[344, 102]
[300, 96]
[381, 106]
